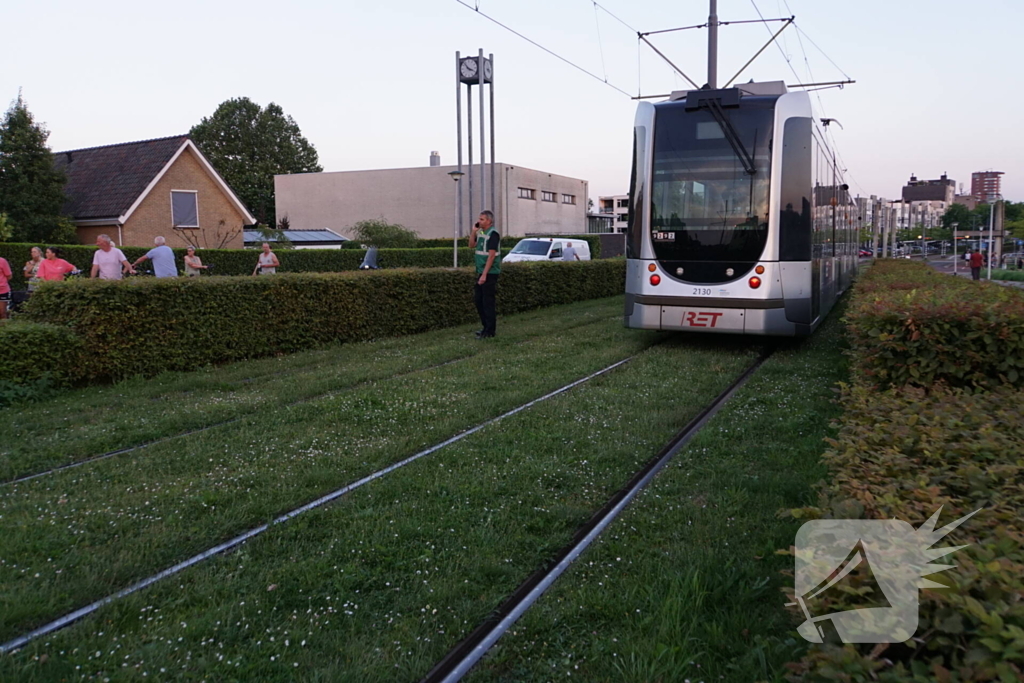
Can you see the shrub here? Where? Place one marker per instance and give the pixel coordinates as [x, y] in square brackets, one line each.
[242, 261]
[904, 453]
[34, 352]
[377, 232]
[146, 325]
[909, 324]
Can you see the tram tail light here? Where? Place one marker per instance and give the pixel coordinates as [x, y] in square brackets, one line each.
[754, 282]
[655, 280]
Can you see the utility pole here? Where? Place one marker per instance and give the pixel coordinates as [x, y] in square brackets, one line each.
[713, 46]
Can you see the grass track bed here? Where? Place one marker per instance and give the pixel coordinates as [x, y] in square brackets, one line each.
[78, 535]
[685, 585]
[84, 423]
[379, 585]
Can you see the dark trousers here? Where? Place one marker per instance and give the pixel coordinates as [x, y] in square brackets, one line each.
[976, 273]
[485, 306]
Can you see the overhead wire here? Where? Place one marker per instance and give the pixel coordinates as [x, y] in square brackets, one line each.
[538, 45]
[600, 43]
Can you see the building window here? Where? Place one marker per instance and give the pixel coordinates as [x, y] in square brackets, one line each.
[184, 209]
[622, 203]
[526, 193]
[568, 199]
[547, 196]
[623, 217]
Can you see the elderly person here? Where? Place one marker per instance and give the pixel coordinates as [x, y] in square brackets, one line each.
[31, 269]
[53, 267]
[267, 264]
[162, 257]
[193, 264]
[5, 286]
[109, 263]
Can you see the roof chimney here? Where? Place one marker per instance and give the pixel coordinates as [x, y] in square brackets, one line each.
[435, 159]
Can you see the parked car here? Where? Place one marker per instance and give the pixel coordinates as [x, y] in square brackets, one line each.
[546, 249]
[865, 252]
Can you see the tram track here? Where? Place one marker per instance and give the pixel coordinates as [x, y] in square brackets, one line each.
[464, 656]
[75, 615]
[238, 418]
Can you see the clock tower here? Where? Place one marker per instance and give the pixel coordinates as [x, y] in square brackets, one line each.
[476, 71]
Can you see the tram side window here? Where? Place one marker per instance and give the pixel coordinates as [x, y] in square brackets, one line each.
[634, 234]
[795, 216]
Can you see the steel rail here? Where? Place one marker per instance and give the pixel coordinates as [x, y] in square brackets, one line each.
[198, 430]
[71, 617]
[458, 662]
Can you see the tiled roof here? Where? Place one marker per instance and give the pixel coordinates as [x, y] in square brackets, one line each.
[104, 182]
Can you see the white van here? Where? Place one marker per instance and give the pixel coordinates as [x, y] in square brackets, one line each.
[547, 249]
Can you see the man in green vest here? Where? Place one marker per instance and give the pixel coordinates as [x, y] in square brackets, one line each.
[486, 242]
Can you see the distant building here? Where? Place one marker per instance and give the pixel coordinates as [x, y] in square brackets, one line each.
[300, 239]
[616, 206]
[941, 190]
[423, 199]
[986, 186]
[135, 191]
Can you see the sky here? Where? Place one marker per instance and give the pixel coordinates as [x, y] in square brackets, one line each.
[372, 85]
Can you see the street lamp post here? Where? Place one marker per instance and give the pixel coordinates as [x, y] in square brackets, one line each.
[955, 226]
[456, 176]
[991, 226]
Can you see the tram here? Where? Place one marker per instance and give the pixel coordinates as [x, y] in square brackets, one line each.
[740, 221]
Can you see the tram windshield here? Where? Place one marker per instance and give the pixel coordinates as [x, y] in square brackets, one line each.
[705, 206]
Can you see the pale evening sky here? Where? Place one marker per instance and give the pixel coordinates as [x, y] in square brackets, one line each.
[371, 83]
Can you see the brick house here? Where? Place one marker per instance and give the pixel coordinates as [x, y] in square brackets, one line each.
[135, 191]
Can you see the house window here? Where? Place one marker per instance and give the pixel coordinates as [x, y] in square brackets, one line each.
[184, 209]
[568, 199]
[547, 196]
[526, 193]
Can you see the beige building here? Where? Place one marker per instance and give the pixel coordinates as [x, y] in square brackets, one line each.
[135, 191]
[423, 199]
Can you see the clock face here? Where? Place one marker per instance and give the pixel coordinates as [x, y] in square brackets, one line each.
[468, 68]
[487, 70]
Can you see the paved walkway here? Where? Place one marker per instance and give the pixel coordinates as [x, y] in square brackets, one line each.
[944, 264]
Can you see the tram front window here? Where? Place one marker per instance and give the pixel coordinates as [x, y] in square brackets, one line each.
[708, 214]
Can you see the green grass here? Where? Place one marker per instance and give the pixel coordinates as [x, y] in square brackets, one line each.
[378, 586]
[76, 535]
[83, 423]
[1012, 275]
[685, 585]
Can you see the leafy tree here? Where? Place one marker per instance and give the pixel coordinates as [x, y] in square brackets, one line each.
[377, 232]
[31, 188]
[248, 145]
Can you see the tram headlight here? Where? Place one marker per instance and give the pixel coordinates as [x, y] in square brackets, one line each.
[679, 271]
[729, 272]
[655, 280]
[755, 282]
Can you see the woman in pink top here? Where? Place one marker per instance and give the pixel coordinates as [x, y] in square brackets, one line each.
[5, 287]
[53, 267]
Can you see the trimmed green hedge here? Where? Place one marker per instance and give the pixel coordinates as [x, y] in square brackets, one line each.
[909, 324]
[902, 454]
[32, 351]
[146, 325]
[242, 261]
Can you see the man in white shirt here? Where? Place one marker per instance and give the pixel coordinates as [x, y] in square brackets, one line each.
[569, 253]
[108, 263]
[162, 257]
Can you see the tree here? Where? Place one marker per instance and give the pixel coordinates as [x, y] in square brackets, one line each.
[31, 188]
[219, 237]
[248, 145]
[377, 232]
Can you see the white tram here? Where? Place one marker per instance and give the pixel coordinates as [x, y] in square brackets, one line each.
[739, 221]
